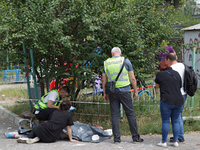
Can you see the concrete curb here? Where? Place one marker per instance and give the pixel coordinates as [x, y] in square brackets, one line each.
[9, 115]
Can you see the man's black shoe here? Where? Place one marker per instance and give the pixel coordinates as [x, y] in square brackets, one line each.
[171, 139]
[180, 140]
[138, 140]
[117, 141]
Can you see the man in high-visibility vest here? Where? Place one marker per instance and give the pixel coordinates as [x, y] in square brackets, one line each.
[122, 95]
[49, 103]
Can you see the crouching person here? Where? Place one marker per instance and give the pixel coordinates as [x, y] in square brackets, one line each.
[51, 131]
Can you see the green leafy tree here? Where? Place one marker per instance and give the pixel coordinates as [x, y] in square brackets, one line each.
[64, 35]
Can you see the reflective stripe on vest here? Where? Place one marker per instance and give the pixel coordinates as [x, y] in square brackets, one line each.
[112, 67]
[42, 105]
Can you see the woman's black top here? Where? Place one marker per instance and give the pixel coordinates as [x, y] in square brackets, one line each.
[170, 84]
[50, 131]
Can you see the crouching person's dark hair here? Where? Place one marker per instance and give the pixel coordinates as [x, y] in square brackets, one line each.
[65, 105]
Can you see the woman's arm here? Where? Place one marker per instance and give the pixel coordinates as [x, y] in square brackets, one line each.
[69, 131]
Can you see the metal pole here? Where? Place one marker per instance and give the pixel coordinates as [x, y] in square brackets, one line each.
[4, 75]
[121, 111]
[193, 65]
[17, 74]
[7, 61]
[28, 83]
[34, 78]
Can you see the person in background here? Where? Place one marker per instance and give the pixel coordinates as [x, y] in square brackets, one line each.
[49, 103]
[51, 131]
[171, 100]
[180, 68]
[110, 70]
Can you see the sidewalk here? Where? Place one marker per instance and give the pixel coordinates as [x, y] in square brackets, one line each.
[9, 123]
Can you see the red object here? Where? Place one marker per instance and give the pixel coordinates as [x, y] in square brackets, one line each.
[53, 83]
[138, 89]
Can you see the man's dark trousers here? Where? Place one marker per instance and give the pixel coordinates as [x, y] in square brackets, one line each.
[126, 101]
[45, 114]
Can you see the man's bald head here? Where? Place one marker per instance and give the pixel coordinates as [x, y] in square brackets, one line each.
[171, 57]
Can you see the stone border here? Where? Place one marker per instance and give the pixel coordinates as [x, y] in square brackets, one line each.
[9, 115]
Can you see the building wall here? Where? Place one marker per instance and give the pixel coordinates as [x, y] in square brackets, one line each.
[191, 37]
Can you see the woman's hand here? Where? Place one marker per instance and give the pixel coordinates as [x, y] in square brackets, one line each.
[72, 140]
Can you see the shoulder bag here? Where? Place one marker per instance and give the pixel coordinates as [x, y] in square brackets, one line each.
[110, 86]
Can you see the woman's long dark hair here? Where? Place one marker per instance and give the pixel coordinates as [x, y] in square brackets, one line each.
[65, 105]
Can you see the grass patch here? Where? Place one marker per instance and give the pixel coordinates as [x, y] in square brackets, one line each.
[146, 110]
[14, 92]
[18, 108]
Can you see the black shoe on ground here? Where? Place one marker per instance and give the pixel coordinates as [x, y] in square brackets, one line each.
[117, 141]
[138, 140]
[179, 140]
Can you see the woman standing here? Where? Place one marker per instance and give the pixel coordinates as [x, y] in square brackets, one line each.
[169, 82]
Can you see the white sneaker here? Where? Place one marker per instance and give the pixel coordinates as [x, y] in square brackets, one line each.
[31, 141]
[22, 140]
[27, 140]
[175, 144]
[162, 144]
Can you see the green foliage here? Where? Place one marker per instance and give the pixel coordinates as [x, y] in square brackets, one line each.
[65, 34]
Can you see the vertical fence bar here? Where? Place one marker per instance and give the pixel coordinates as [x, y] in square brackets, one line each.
[4, 75]
[7, 61]
[121, 111]
[193, 65]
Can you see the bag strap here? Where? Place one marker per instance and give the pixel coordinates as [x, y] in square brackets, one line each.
[172, 75]
[120, 70]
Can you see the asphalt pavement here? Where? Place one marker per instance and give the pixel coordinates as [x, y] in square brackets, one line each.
[8, 123]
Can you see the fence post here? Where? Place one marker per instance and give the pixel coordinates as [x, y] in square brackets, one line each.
[193, 65]
[17, 74]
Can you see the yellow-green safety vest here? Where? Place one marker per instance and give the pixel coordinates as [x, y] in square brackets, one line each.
[112, 67]
[41, 105]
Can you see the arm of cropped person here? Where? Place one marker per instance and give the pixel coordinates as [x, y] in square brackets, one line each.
[69, 131]
[134, 84]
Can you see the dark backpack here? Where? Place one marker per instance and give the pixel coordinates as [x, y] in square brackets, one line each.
[190, 80]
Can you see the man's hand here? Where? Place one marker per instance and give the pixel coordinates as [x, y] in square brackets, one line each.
[135, 95]
[106, 98]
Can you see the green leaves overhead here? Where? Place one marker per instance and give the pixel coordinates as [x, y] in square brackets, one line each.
[65, 33]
